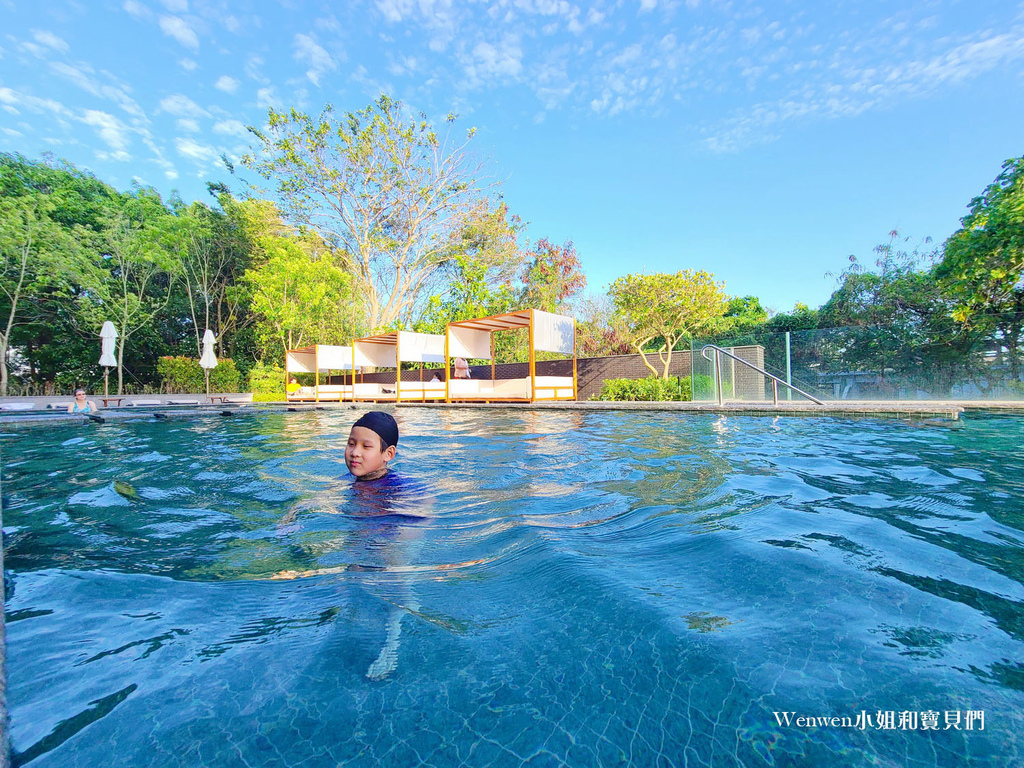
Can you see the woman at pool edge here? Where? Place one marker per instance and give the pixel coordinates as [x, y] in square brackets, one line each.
[82, 404]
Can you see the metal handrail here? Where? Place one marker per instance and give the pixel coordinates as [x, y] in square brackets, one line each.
[775, 379]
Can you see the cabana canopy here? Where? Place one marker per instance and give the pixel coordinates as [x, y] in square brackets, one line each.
[548, 333]
[390, 350]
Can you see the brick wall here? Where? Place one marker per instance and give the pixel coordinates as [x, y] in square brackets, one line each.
[591, 371]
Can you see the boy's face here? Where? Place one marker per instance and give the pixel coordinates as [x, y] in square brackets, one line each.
[363, 455]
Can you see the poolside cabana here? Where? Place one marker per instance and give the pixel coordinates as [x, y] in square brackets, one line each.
[320, 358]
[391, 350]
[548, 332]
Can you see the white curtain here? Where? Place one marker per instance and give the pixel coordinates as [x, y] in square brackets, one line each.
[300, 362]
[553, 333]
[333, 358]
[376, 355]
[467, 342]
[420, 347]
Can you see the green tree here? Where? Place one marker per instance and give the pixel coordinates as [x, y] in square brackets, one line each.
[982, 266]
[391, 196]
[38, 258]
[300, 297]
[669, 307]
[142, 258]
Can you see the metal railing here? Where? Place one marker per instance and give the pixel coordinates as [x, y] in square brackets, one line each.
[775, 379]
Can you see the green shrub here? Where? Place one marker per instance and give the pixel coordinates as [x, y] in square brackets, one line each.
[183, 375]
[651, 389]
[266, 380]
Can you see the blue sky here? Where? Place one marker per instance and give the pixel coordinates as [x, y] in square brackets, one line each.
[763, 142]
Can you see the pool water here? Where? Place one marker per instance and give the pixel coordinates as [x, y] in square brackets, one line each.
[557, 588]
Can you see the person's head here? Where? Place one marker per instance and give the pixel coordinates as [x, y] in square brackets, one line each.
[80, 394]
[372, 443]
[294, 380]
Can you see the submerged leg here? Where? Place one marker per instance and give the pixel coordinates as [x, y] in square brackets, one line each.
[386, 662]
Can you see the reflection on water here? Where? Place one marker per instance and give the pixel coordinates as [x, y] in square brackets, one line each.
[564, 587]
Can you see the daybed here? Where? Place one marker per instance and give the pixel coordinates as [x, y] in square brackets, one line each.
[389, 351]
[320, 358]
[548, 332]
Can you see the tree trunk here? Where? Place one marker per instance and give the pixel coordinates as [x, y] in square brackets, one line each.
[640, 350]
[3, 366]
[120, 364]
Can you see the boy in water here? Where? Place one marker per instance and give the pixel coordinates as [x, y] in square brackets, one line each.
[379, 493]
[372, 443]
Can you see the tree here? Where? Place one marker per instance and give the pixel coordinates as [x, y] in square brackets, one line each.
[297, 292]
[214, 254]
[669, 307]
[982, 266]
[391, 197]
[552, 275]
[600, 330]
[142, 259]
[37, 257]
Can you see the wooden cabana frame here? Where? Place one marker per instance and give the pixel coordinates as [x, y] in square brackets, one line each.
[548, 332]
[317, 359]
[390, 350]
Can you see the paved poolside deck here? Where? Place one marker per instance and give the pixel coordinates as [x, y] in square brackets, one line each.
[946, 410]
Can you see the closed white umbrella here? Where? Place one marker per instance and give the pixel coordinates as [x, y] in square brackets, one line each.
[108, 336]
[209, 359]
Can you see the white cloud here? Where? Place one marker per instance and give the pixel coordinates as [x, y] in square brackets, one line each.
[178, 28]
[319, 60]
[266, 98]
[230, 128]
[395, 10]
[82, 77]
[188, 65]
[648, 5]
[193, 150]
[49, 39]
[180, 105]
[136, 9]
[36, 50]
[112, 131]
[176, 6]
[503, 60]
[187, 124]
[226, 84]
[12, 133]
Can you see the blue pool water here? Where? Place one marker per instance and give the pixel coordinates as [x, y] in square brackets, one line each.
[561, 588]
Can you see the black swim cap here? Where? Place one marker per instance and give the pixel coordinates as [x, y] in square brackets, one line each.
[383, 424]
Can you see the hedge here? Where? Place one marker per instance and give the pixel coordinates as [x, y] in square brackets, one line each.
[184, 375]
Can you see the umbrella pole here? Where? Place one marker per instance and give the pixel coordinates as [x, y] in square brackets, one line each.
[207, 372]
[106, 380]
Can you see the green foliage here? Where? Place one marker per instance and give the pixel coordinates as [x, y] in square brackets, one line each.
[184, 375]
[982, 267]
[671, 307]
[300, 296]
[267, 379]
[651, 389]
[983, 261]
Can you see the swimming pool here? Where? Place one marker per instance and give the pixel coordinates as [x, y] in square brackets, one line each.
[588, 589]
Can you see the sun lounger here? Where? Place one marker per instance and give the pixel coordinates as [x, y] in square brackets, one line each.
[17, 406]
[141, 403]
